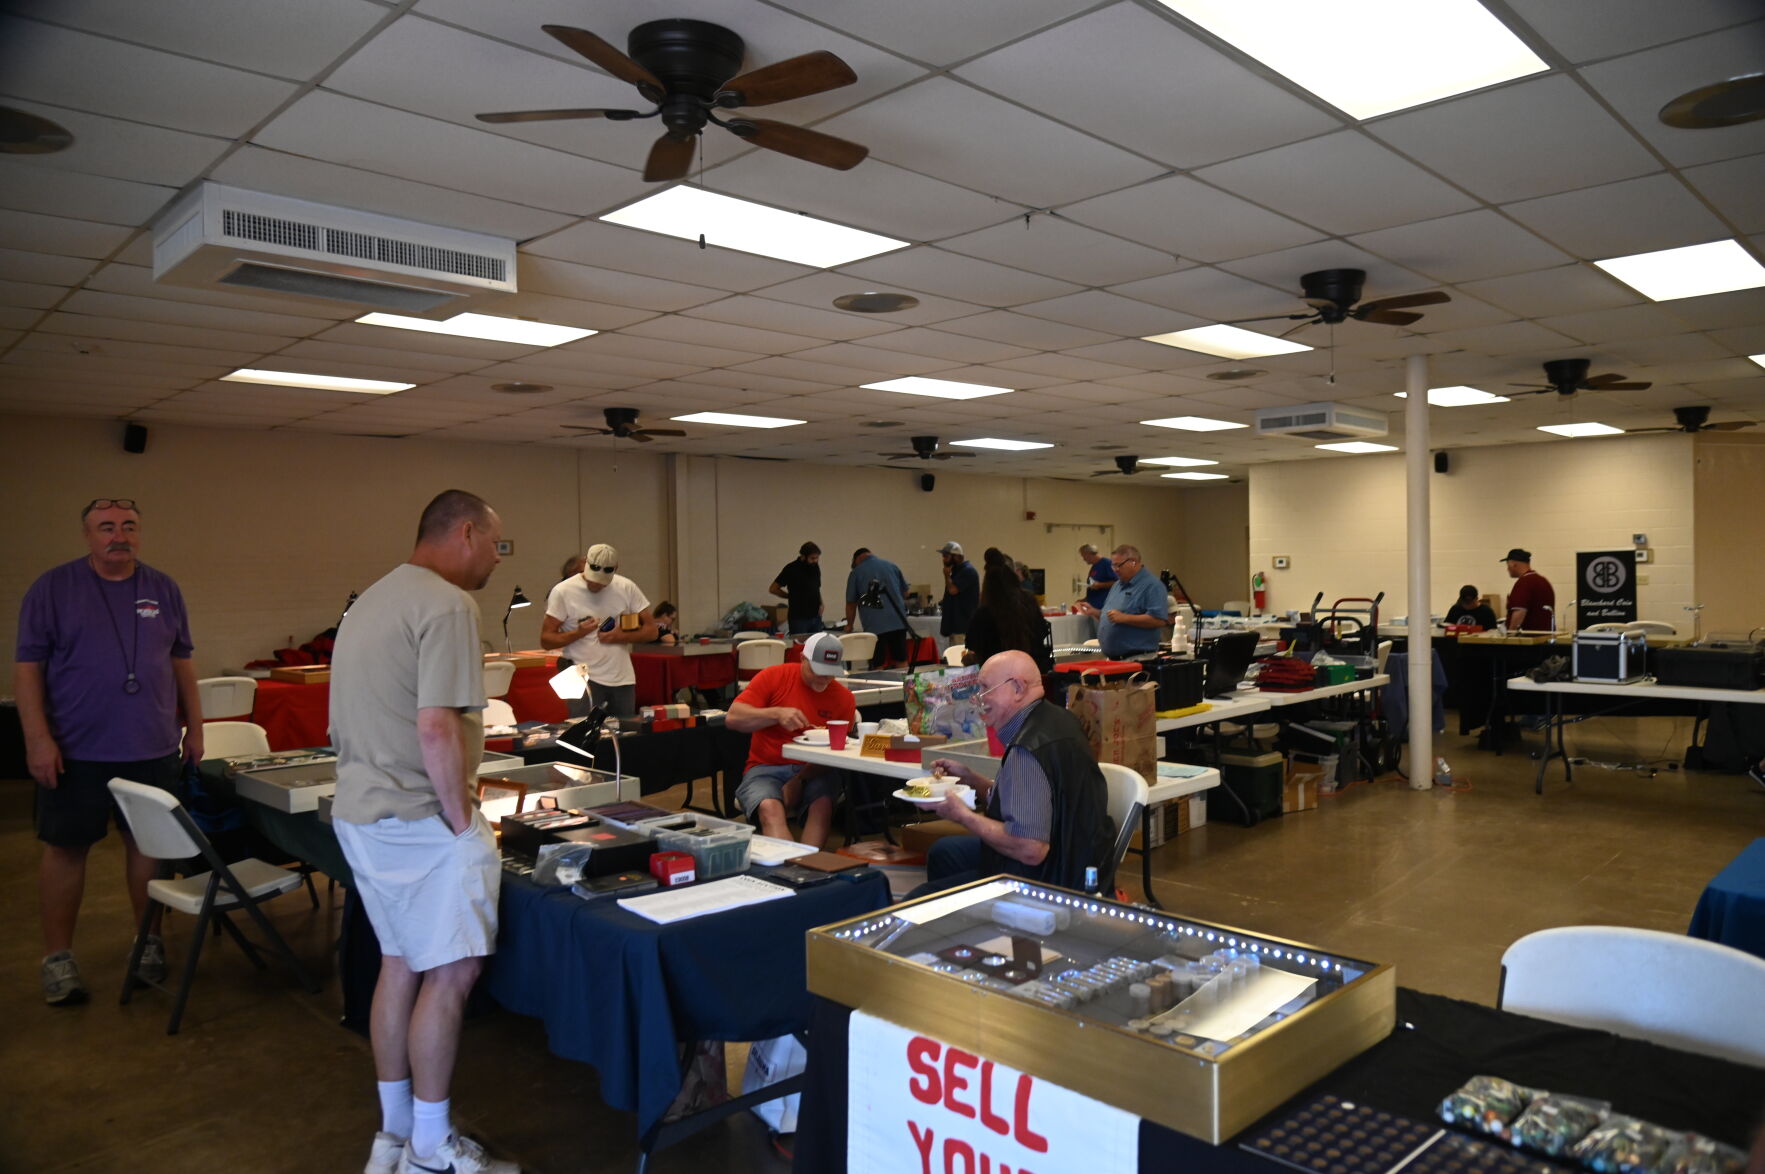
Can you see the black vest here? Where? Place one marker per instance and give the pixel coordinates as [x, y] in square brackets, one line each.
[1083, 833]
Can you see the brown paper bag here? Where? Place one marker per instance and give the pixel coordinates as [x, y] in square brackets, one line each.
[1120, 720]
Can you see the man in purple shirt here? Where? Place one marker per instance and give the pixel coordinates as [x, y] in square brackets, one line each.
[103, 670]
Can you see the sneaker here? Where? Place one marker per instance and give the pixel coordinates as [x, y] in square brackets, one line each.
[456, 1155]
[62, 985]
[151, 968]
[383, 1158]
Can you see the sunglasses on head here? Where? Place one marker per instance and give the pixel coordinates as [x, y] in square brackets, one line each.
[105, 503]
[612, 567]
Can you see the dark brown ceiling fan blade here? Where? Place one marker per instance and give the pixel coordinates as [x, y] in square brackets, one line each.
[608, 58]
[1613, 383]
[953, 456]
[1267, 318]
[1388, 317]
[797, 77]
[588, 428]
[1729, 426]
[640, 437]
[670, 158]
[811, 146]
[1109, 473]
[1309, 320]
[1402, 302]
[554, 115]
[650, 432]
[900, 456]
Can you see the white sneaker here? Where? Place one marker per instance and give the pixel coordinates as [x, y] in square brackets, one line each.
[456, 1155]
[383, 1158]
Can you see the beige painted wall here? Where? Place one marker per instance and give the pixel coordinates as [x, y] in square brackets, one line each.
[1342, 523]
[1729, 481]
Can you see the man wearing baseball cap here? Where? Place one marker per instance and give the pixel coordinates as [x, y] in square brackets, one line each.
[586, 619]
[1532, 605]
[962, 593]
[780, 702]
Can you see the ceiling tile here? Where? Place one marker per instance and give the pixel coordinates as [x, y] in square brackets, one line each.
[268, 36]
[44, 268]
[747, 310]
[1190, 219]
[125, 150]
[661, 350]
[151, 309]
[137, 281]
[84, 197]
[1587, 30]
[632, 250]
[876, 197]
[1741, 307]
[136, 330]
[1616, 325]
[567, 279]
[1058, 247]
[1678, 348]
[869, 364]
[938, 344]
[1021, 330]
[57, 235]
[1510, 338]
[30, 295]
[129, 81]
[1567, 289]
[1528, 139]
[1111, 313]
[1283, 269]
[1638, 86]
[566, 311]
[1070, 367]
[958, 134]
[820, 290]
[1735, 187]
[371, 345]
[722, 334]
[1342, 182]
[1463, 247]
[1212, 295]
[937, 32]
[747, 380]
[1618, 219]
[927, 269]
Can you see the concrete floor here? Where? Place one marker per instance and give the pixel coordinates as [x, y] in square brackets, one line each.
[262, 1079]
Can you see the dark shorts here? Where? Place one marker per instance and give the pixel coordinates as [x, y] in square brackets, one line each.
[77, 811]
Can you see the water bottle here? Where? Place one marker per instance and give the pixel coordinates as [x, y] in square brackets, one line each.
[1091, 880]
[1442, 773]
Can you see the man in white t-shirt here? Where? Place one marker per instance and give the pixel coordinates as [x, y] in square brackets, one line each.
[585, 621]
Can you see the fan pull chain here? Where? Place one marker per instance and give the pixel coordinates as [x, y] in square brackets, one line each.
[701, 138]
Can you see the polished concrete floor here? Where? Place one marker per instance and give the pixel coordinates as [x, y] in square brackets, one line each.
[262, 1079]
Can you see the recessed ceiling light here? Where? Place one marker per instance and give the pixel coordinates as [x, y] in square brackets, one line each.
[517, 387]
[1759, 359]
[1724, 103]
[317, 382]
[1234, 374]
[1717, 267]
[1003, 445]
[1194, 476]
[23, 133]
[1228, 342]
[1193, 424]
[875, 303]
[1370, 57]
[1587, 429]
[1457, 397]
[736, 420]
[485, 326]
[1177, 462]
[938, 388]
[695, 214]
[1357, 446]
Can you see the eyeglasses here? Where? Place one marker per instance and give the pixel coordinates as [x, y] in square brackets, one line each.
[105, 503]
[981, 697]
[613, 567]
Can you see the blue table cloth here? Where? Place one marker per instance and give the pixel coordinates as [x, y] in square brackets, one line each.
[623, 994]
[1732, 909]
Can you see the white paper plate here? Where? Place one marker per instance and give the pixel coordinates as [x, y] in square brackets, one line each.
[811, 738]
[965, 793]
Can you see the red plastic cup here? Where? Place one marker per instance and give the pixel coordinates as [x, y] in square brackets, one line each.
[704, 639]
[836, 735]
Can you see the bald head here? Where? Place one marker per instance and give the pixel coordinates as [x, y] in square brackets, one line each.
[1011, 682]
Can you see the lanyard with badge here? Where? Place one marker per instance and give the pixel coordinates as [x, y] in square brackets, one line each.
[131, 684]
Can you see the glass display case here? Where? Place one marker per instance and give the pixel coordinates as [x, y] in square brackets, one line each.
[1199, 1027]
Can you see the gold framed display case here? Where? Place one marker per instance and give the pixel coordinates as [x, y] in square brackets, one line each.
[1200, 1027]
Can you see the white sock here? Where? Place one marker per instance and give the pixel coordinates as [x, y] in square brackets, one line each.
[429, 1126]
[395, 1107]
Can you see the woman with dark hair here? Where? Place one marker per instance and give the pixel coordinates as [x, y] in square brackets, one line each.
[667, 619]
[1007, 618]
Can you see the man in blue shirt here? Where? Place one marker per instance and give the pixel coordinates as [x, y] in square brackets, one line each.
[962, 592]
[1134, 614]
[884, 622]
[1098, 578]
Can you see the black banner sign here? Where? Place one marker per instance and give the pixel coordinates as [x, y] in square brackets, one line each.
[1605, 587]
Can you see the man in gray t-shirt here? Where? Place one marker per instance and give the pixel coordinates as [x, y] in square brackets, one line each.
[407, 698]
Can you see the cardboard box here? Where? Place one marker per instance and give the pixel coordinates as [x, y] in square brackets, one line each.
[302, 674]
[919, 837]
[1305, 777]
[1494, 600]
[1172, 818]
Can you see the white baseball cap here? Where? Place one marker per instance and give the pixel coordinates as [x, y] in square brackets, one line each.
[950, 548]
[824, 654]
[599, 564]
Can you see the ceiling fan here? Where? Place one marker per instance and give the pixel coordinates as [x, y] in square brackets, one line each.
[1695, 418]
[1568, 376]
[689, 70]
[1335, 296]
[622, 423]
[925, 448]
[1124, 466]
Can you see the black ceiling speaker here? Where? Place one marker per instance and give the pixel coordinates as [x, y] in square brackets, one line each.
[134, 438]
[1442, 463]
[927, 481]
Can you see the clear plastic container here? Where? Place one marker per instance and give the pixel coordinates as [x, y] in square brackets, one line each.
[717, 846]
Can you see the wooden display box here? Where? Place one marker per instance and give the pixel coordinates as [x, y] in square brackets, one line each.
[302, 674]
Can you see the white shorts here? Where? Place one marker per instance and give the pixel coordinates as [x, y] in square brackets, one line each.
[429, 894]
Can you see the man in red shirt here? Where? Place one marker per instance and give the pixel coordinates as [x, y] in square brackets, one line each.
[1532, 604]
[778, 703]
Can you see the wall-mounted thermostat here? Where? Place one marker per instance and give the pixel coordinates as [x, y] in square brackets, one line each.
[1281, 562]
[1639, 539]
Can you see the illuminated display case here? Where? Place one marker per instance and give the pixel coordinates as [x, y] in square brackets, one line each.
[1199, 1027]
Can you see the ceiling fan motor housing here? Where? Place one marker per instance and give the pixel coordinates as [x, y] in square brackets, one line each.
[1127, 464]
[1340, 287]
[691, 57]
[925, 446]
[1692, 417]
[1567, 375]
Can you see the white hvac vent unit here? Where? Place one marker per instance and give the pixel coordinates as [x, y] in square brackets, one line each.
[228, 239]
[1321, 422]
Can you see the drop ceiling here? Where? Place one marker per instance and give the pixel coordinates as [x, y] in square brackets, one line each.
[1071, 175]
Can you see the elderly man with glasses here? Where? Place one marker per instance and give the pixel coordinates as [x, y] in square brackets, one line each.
[1135, 613]
[1045, 817]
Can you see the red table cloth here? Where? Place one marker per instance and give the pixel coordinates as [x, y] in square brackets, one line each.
[297, 716]
[661, 674]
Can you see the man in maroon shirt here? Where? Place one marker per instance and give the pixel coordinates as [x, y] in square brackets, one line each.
[1532, 604]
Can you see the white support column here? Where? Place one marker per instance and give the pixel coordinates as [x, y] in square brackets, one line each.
[1417, 462]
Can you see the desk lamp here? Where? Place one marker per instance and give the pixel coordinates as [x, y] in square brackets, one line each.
[873, 598]
[515, 601]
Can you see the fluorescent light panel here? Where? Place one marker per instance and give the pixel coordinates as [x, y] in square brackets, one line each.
[1003, 445]
[1591, 428]
[737, 420]
[1357, 446]
[1759, 359]
[316, 382]
[1194, 476]
[1689, 272]
[724, 221]
[1457, 397]
[938, 388]
[1228, 342]
[1370, 57]
[1193, 424]
[1178, 462]
[483, 326]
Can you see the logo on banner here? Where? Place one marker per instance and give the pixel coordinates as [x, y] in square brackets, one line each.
[916, 1103]
[1606, 575]
[1608, 587]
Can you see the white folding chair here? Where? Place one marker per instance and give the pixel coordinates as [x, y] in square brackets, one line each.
[1381, 654]
[230, 739]
[753, 655]
[1127, 795]
[1663, 987]
[498, 674]
[226, 696]
[163, 830]
[750, 634]
[953, 654]
[1241, 606]
[858, 647]
[498, 713]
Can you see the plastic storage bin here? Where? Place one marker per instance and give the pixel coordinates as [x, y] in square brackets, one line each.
[717, 846]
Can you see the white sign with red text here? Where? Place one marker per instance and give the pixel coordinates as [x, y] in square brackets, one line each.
[917, 1104]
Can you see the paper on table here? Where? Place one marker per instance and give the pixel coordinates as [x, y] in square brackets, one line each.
[943, 906]
[768, 851]
[673, 905]
[1264, 992]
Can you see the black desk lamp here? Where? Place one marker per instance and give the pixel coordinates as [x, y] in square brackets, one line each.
[515, 601]
[873, 599]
